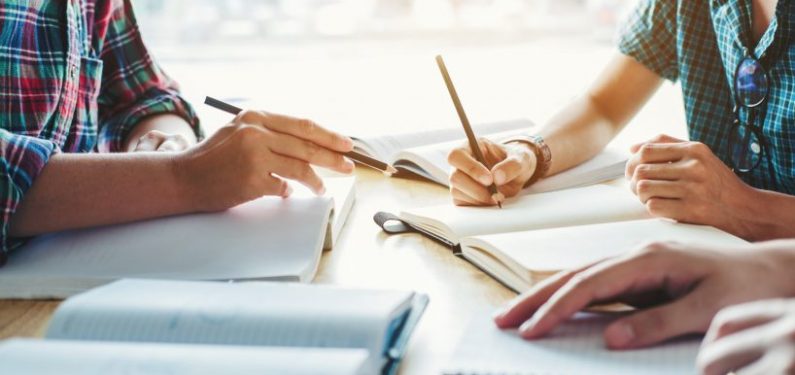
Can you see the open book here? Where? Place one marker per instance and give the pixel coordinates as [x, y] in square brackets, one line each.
[424, 154]
[266, 239]
[576, 347]
[172, 316]
[534, 236]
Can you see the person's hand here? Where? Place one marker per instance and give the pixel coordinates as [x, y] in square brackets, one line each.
[156, 140]
[751, 338]
[250, 157]
[686, 182]
[678, 289]
[513, 163]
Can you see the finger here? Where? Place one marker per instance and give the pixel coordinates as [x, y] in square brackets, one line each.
[297, 170]
[466, 185]
[277, 186]
[665, 171]
[461, 199]
[648, 189]
[654, 325]
[301, 128]
[462, 160]
[508, 170]
[312, 153]
[606, 281]
[743, 316]
[776, 360]
[669, 208]
[522, 307]
[150, 141]
[492, 152]
[170, 145]
[662, 138]
[732, 352]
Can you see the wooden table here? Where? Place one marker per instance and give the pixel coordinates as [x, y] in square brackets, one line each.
[400, 91]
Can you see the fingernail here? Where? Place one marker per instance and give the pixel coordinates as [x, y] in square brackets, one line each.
[288, 191]
[528, 325]
[485, 180]
[499, 177]
[620, 335]
[499, 313]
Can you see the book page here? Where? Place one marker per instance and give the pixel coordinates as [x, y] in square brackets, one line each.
[532, 255]
[386, 147]
[87, 357]
[262, 314]
[268, 238]
[576, 347]
[342, 190]
[607, 165]
[580, 206]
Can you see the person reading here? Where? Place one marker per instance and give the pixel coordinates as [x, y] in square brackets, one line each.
[733, 61]
[93, 132]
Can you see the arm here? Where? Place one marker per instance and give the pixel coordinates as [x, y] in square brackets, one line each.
[579, 131]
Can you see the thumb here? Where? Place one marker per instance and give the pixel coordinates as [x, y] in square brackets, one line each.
[662, 138]
[649, 327]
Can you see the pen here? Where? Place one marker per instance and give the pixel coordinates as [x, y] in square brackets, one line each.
[361, 158]
[473, 142]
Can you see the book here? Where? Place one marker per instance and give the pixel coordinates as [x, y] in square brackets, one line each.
[424, 154]
[251, 314]
[535, 236]
[576, 347]
[270, 238]
[57, 357]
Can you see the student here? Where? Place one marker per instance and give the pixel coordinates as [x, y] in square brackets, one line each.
[75, 77]
[752, 338]
[678, 290]
[734, 62]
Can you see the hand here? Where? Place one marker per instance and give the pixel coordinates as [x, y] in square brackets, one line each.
[156, 140]
[677, 288]
[686, 182]
[513, 163]
[249, 157]
[752, 338]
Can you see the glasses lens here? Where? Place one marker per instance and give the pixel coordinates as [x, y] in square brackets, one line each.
[746, 148]
[751, 82]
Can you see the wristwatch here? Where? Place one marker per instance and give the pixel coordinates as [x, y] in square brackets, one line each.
[541, 151]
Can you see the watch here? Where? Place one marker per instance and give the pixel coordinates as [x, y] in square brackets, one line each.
[541, 151]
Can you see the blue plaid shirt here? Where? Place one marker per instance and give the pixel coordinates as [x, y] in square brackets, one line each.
[700, 43]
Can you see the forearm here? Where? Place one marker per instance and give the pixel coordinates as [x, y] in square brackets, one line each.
[84, 190]
[166, 123]
[764, 215]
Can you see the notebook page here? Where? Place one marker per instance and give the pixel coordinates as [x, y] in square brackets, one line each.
[387, 147]
[343, 191]
[271, 238]
[580, 206]
[576, 347]
[267, 314]
[57, 357]
[605, 166]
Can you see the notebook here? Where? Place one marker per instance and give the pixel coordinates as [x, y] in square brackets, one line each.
[535, 236]
[254, 314]
[576, 347]
[58, 357]
[266, 239]
[424, 154]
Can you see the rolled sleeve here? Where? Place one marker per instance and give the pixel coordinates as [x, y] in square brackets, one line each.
[133, 85]
[23, 159]
[649, 35]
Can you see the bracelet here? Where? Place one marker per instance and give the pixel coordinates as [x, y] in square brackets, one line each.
[542, 153]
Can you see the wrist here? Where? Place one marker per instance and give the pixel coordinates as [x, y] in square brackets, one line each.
[752, 216]
[183, 178]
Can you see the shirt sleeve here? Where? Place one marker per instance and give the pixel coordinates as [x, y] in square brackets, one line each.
[133, 85]
[22, 160]
[649, 36]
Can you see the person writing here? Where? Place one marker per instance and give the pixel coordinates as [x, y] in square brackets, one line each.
[77, 78]
[733, 60]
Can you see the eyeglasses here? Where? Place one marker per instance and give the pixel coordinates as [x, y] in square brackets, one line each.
[746, 141]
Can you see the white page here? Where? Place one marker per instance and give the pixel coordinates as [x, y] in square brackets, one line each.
[580, 206]
[577, 347]
[517, 255]
[269, 238]
[343, 191]
[387, 147]
[58, 357]
[268, 314]
[607, 165]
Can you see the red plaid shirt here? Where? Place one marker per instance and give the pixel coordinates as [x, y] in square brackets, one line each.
[75, 76]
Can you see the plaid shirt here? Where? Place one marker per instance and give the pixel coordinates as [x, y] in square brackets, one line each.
[700, 43]
[75, 76]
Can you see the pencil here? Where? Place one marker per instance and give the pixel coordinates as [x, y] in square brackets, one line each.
[358, 157]
[473, 141]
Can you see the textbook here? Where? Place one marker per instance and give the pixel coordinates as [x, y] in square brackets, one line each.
[270, 238]
[576, 347]
[535, 236]
[424, 154]
[188, 319]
